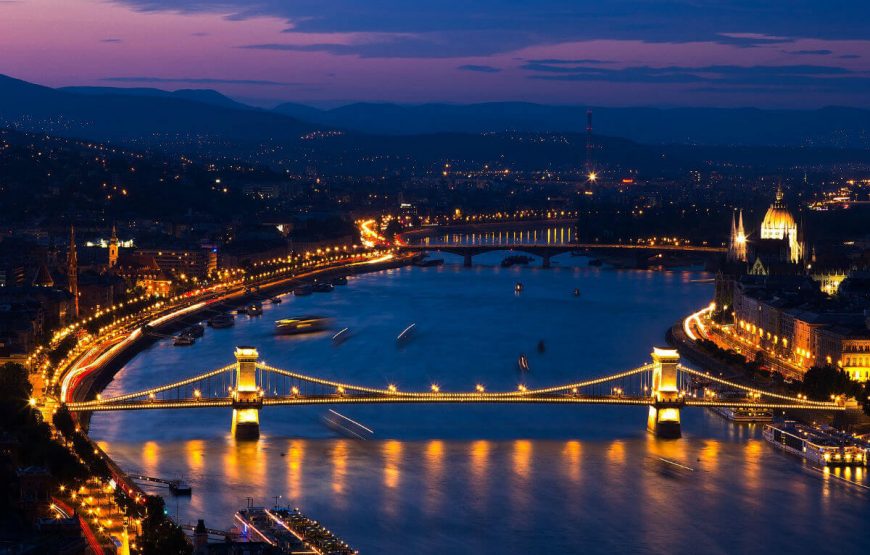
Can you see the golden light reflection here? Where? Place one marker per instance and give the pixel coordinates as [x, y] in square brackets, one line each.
[522, 457]
[479, 461]
[295, 457]
[339, 467]
[435, 473]
[572, 453]
[150, 457]
[392, 451]
[616, 452]
[193, 451]
[709, 455]
[752, 464]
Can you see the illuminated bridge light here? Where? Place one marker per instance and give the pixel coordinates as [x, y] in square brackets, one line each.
[480, 388]
[392, 388]
[435, 388]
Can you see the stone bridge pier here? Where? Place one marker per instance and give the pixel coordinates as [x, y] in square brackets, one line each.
[247, 400]
[664, 410]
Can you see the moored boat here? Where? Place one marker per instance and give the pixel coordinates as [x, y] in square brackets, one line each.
[183, 341]
[341, 280]
[221, 321]
[303, 290]
[255, 309]
[196, 330]
[323, 287]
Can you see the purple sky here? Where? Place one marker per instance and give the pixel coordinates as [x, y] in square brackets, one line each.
[774, 53]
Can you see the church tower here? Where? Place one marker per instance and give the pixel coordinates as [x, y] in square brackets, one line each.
[737, 249]
[72, 270]
[113, 248]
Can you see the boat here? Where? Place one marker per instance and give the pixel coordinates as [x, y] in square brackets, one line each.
[196, 330]
[222, 321]
[341, 280]
[406, 334]
[345, 426]
[184, 341]
[255, 309]
[541, 346]
[301, 325]
[242, 310]
[576, 292]
[323, 287]
[341, 336]
[523, 363]
[815, 445]
[515, 260]
[518, 287]
[303, 290]
[429, 262]
[744, 415]
[276, 300]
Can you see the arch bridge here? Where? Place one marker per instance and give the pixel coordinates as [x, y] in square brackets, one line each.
[248, 385]
[548, 251]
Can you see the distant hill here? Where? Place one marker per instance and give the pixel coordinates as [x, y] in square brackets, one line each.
[206, 96]
[829, 127]
[139, 118]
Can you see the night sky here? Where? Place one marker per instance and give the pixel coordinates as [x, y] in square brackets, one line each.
[774, 53]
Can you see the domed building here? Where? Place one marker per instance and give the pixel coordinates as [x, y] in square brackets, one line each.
[779, 225]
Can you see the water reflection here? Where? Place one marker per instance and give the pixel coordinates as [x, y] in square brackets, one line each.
[576, 479]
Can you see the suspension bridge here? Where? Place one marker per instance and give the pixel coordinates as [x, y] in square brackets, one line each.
[248, 385]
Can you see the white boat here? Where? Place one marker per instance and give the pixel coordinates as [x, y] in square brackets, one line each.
[255, 309]
[744, 415]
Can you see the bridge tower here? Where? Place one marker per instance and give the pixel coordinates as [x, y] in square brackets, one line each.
[664, 410]
[247, 400]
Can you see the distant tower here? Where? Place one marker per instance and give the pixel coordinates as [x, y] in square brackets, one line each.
[590, 170]
[737, 248]
[113, 248]
[72, 270]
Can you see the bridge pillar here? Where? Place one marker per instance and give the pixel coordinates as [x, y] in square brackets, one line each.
[247, 401]
[466, 261]
[664, 410]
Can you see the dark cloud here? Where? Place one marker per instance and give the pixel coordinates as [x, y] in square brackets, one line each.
[557, 61]
[111, 40]
[450, 28]
[809, 52]
[196, 81]
[849, 57]
[479, 68]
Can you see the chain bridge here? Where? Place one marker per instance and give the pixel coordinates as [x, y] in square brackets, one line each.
[248, 385]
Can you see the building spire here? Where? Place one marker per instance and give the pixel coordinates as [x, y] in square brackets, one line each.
[72, 270]
[113, 248]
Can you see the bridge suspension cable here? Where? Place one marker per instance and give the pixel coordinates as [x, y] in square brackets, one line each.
[761, 392]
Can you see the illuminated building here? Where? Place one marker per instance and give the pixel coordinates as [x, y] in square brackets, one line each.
[113, 248]
[72, 265]
[737, 247]
[779, 225]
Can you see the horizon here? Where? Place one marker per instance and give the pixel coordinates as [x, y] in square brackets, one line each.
[791, 55]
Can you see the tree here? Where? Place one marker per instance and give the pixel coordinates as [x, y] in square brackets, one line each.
[820, 382]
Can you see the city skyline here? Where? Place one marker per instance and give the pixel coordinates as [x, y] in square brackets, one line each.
[787, 55]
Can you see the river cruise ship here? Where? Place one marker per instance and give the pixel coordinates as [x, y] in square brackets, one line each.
[816, 446]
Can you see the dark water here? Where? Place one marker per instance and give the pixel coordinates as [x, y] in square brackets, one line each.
[486, 479]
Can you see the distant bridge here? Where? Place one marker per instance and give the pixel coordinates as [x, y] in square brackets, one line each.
[547, 251]
[664, 385]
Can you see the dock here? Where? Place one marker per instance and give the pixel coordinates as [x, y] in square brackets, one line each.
[290, 531]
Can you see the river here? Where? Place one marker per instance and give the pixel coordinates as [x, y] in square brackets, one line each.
[485, 479]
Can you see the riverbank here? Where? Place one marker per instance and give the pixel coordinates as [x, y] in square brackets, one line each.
[98, 378]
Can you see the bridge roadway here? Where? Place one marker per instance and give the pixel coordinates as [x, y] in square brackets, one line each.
[437, 398]
[547, 251]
